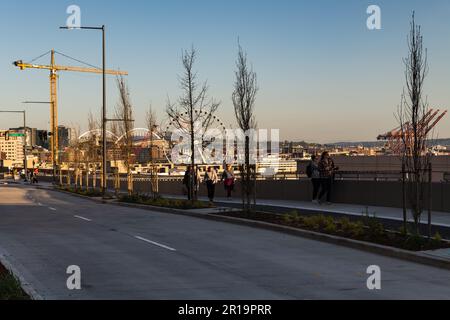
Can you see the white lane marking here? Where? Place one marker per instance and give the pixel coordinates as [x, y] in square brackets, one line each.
[51, 208]
[83, 218]
[155, 243]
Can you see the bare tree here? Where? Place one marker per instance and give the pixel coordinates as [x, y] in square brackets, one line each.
[411, 116]
[152, 125]
[124, 113]
[116, 157]
[75, 149]
[244, 97]
[91, 155]
[194, 112]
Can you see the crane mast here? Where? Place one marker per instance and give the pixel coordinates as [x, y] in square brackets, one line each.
[54, 69]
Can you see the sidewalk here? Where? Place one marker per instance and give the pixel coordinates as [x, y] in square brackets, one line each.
[438, 218]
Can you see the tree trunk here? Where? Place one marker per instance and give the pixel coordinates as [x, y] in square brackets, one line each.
[405, 222]
[430, 197]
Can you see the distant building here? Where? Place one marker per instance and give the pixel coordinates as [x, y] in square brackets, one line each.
[42, 139]
[31, 134]
[12, 146]
[63, 137]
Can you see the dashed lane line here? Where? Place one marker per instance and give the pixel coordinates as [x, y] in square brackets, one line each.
[155, 243]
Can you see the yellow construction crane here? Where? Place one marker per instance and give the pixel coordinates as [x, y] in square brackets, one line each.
[54, 69]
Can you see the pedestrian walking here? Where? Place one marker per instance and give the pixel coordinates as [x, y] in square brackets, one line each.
[35, 175]
[211, 180]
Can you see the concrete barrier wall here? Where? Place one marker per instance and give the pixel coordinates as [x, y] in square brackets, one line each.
[440, 164]
[371, 193]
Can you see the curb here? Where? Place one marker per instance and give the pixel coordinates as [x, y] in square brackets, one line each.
[417, 257]
[26, 286]
[75, 195]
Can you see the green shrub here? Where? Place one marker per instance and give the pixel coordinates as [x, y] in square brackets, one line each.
[403, 231]
[10, 288]
[331, 226]
[295, 217]
[437, 237]
[375, 228]
[354, 229]
[317, 222]
[414, 242]
[287, 218]
[346, 225]
[357, 229]
[310, 223]
[162, 202]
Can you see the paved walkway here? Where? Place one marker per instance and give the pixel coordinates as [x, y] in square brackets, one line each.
[438, 218]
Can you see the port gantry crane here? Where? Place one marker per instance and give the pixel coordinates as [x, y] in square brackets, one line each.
[54, 69]
[398, 137]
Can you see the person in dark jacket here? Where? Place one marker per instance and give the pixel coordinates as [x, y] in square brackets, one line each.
[315, 177]
[211, 180]
[190, 175]
[327, 170]
[228, 180]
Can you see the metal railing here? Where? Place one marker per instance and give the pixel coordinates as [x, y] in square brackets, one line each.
[369, 175]
[388, 175]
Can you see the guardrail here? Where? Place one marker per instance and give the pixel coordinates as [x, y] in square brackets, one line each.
[388, 175]
[369, 175]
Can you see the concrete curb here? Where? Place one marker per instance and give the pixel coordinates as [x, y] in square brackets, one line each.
[26, 286]
[417, 257]
[103, 201]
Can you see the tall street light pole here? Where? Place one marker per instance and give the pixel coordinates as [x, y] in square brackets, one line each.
[104, 119]
[25, 162]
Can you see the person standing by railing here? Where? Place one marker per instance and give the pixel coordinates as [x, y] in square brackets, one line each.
[190, 175]
[313, 172]
[327, 170]
[228, 180]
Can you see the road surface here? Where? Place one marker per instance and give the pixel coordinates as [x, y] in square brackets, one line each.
[129, 253]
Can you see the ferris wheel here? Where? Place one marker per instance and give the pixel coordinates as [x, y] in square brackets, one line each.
[207, 129]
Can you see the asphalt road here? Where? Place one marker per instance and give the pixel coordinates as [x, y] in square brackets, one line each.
[128, 253]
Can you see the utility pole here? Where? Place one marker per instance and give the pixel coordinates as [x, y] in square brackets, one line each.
[105, 120]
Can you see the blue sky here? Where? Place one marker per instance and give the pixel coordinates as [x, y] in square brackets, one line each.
[323, 75]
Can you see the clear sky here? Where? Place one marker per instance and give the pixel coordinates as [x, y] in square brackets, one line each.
[323, 75]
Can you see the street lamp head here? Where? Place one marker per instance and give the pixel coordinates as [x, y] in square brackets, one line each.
[86, 28]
